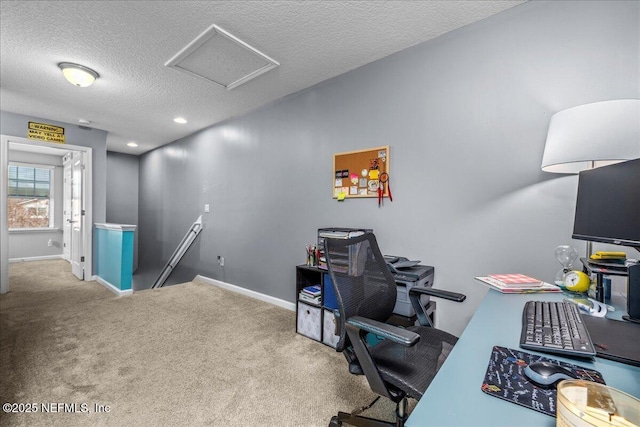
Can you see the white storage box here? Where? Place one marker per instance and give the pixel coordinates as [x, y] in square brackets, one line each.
[329, 329]
[309, 321]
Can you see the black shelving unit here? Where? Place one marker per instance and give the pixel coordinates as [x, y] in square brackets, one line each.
[315, 321]
[632, 272]
[601, 269]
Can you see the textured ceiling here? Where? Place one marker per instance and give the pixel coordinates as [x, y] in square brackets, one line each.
[128, 43]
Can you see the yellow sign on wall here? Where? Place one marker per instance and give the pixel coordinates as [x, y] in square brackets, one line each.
[46, 132]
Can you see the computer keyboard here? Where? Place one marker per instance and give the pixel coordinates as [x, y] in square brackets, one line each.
[555, 327]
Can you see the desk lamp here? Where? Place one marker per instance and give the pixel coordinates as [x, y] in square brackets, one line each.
[592, 135]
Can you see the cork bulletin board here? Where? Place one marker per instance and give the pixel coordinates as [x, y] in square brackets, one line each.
[356, 173]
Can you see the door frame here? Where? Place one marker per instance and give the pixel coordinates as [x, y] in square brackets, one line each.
[66, 206]
[87, 195]
[78, 225]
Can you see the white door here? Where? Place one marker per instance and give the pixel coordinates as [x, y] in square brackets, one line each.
[66, 209]
[77, 215]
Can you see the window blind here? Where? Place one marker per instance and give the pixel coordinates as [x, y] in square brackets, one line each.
[31, 182]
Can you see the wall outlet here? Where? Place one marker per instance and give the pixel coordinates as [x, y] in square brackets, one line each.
[206, 208]
[221, 261]
[50, 243]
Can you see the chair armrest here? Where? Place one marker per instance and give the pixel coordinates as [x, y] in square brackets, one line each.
[386, 331]
[417, 291]
[439, 293]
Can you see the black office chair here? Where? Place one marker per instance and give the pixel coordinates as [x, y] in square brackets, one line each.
[405, 361]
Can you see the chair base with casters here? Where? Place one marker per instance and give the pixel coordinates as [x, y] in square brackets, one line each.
[402, 362]
[355, 419]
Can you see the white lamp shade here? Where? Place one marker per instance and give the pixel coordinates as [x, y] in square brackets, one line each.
[78, 75]
[592, 135]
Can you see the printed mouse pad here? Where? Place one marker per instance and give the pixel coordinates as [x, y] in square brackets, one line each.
[506, 380]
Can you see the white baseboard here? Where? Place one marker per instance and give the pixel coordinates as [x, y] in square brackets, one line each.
[248, 292]
[36, 258]
[112, 288]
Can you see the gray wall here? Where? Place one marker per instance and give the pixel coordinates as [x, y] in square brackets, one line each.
[122, 193]
[466, 117]
[26, 244]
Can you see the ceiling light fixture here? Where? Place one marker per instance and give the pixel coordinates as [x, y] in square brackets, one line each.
[84, 121]
[78, 75]
[132, 144]
[180, 120]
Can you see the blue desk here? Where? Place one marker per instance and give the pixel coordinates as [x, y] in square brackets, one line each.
[454, 398]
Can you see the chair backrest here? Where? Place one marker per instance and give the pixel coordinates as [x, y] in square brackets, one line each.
[362, 281]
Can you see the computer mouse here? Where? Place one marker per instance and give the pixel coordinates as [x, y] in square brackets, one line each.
[547, 374]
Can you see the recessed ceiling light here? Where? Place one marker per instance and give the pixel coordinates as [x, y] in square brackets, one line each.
[78, 75]
[180, 120]
[132, 144]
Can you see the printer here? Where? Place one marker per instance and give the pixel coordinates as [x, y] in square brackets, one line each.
[408, 274]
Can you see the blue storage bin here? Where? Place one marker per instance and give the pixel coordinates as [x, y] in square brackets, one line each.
[328, 295]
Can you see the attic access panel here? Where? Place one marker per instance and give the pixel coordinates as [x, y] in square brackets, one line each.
[219, 57]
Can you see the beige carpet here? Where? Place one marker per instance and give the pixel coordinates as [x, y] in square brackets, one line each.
[186, 355]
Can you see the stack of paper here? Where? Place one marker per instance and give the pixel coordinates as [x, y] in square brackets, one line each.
[516, 280]
[517, 284]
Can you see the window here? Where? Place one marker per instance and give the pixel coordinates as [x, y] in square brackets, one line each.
[30, 196]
